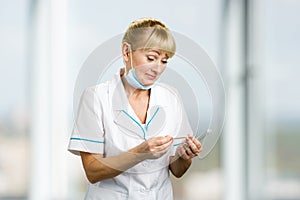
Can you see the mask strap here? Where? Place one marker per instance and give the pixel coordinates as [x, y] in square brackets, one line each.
[130, 53]
[130, 50]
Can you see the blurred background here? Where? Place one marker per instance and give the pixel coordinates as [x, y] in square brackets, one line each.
[255, 45]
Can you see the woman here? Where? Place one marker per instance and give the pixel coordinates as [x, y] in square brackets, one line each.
[125, 129]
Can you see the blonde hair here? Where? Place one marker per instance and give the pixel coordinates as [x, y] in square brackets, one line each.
[147, 33]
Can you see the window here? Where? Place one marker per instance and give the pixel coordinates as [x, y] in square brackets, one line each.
[276, 165]
[14, 106]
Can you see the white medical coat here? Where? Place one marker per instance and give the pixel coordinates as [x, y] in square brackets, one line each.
[106, 124]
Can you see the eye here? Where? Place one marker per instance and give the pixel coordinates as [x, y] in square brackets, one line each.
[150, 58]
[164, 61]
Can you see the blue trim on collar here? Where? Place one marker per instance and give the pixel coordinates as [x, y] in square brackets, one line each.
[151, 118]
[136, 123]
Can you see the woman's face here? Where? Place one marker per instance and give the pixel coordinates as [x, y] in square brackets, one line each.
[148, 64]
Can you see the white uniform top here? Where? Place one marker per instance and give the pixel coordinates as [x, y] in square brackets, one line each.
[106, 124]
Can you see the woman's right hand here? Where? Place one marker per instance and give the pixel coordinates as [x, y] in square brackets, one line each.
[154, 147]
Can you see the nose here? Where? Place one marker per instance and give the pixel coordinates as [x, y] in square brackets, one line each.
[157, 67]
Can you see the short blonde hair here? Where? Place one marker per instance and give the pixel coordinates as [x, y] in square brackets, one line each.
[149, 33]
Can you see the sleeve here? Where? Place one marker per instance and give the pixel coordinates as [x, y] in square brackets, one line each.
[88, 133]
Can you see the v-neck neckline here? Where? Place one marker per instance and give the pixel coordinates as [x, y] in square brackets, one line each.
[130, 108]
[133, 113]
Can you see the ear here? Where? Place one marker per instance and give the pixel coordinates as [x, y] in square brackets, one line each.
[126, 51]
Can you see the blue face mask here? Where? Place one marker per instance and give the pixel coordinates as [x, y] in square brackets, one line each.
[132, 78]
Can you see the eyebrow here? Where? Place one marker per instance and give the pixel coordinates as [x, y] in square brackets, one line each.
[155, 51]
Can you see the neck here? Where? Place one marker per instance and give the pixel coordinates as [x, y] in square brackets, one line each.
[131, 91]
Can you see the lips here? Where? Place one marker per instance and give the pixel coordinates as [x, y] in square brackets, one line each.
[151, 77]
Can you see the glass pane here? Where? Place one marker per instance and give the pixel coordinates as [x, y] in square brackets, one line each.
[282, 96]
[14, 116]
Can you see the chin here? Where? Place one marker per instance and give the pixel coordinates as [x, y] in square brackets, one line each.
[147, 84]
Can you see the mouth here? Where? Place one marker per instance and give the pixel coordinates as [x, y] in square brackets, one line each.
[150, 76]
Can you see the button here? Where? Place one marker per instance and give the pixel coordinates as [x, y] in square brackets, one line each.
[145, 164]
[144, 190]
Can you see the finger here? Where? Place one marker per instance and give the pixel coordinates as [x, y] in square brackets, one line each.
[161, 151]
[185, 150]
[197, 142]
[189, 151]
[185, 155]
[193, 147]
[161, 140]
[180, 150]
[158, 141]
[164, 147]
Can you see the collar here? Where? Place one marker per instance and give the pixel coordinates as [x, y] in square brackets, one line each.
[156, 115]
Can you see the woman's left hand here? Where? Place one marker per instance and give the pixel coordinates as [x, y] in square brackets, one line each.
[190, 148]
